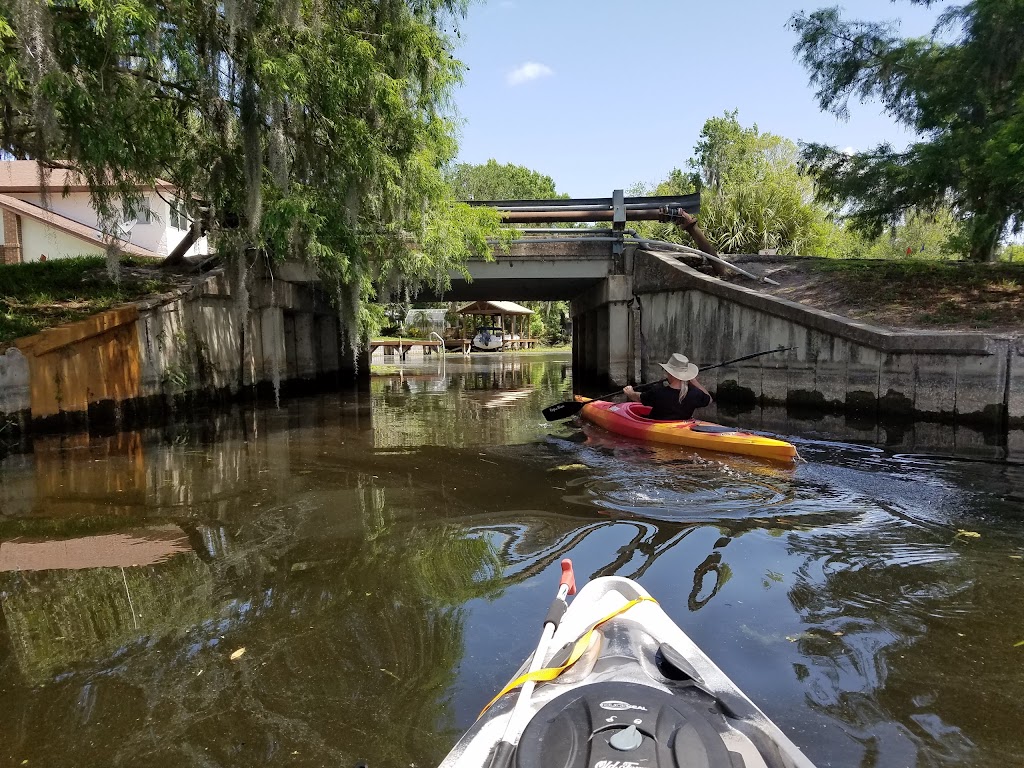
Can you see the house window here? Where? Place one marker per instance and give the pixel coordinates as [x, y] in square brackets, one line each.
[178, 218]
[145, 215]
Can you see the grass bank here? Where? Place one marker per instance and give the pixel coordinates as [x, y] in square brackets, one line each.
[44, 294]
[907, 293]
[930, 293]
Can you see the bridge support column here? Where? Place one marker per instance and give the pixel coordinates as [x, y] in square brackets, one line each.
[305, 346]
[603, 332]
[579, 331]
[272, 345]
[328, 346]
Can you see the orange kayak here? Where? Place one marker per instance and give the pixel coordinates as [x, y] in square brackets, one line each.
[628, 419]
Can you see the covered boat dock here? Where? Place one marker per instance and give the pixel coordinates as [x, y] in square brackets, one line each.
[504, 315]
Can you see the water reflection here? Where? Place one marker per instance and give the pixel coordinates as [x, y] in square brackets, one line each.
[143, 546]
[476, 402]
[304, 551]
[384, 561]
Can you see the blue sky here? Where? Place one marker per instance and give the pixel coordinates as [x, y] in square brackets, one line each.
[602, 94]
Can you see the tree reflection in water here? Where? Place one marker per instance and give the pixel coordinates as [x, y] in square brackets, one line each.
[352, 627]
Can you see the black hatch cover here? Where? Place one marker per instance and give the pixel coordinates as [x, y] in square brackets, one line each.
[586, 728]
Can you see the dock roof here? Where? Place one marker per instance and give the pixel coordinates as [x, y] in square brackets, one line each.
[495, 308]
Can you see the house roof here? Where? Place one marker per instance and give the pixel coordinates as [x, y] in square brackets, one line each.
[495, 308]
[72, 227]
[23, 176]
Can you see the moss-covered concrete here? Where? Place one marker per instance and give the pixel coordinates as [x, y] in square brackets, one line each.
[831, 362]
[190, 347]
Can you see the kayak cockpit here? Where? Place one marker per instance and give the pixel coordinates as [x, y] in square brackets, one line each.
[641, 695]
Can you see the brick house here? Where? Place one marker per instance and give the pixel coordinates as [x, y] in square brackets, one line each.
[68, 225]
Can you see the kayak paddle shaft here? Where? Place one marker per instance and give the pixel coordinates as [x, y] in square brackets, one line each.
[566, 586]
[571, 408]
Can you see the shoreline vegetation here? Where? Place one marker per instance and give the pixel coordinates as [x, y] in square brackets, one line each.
[41, 295]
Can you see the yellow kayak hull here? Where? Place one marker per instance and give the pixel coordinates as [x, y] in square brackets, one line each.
[627, 419]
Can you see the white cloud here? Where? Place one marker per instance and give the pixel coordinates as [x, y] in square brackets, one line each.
[531, 70]
[848, 151]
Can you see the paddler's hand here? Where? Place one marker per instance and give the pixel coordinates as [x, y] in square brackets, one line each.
[631, 393]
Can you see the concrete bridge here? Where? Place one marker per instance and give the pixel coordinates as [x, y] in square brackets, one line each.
[633, 302]
[533, 269]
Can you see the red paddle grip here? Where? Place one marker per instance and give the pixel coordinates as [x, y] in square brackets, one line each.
[568, 577]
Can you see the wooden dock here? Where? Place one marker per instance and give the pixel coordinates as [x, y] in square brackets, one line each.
[401, 347]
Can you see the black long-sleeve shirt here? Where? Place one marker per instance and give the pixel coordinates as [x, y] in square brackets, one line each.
[665, 404]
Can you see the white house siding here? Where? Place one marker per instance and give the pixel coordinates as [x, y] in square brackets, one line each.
[38, 239]
[157, 236]
[201, 247]
[154, 235]
[165, 237]
[75, 206]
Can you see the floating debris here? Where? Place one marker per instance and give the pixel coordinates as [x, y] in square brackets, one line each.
[238, 654]
[568, 467]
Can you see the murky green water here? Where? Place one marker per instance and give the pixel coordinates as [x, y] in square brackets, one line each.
[385, 561]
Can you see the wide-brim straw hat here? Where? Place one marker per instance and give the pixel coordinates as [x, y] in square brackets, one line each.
[680, 367]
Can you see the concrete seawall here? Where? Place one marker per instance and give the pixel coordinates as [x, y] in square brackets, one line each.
[838, 365]
[133, 364]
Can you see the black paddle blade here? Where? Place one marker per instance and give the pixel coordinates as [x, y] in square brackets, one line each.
[562, 410]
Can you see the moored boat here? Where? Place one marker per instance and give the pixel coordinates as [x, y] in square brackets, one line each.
[489, 339]
[629, 419]
[619, 685]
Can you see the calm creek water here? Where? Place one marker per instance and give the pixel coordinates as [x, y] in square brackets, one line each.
[385, 561]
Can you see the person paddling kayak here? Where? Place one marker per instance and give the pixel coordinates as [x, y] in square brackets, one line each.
[677, 398]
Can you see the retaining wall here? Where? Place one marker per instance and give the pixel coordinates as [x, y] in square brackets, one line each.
[838, 364]
[132, 364]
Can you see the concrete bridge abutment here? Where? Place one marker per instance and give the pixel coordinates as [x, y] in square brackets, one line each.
[604, 328]
[835, 365]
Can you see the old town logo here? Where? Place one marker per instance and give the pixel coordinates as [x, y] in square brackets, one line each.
[619, 706]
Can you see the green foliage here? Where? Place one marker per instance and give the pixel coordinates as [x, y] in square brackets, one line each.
[961, 89]
[492, 181]
[298, 129]
[38, 295]
[548, 321]
[1013, 253]
[754, 195]
[926, 235]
